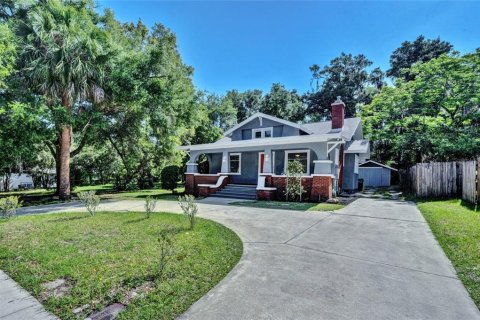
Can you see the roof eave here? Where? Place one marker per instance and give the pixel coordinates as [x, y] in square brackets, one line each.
[262, 142]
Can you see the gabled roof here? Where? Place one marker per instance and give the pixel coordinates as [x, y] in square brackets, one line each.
[266, 116]
[350, 125]
[378, 164]
[227, 143]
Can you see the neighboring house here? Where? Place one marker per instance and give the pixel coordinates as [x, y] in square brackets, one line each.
[254, 154]
[17, 181]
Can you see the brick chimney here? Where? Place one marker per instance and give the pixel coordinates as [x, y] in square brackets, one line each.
[338, 113]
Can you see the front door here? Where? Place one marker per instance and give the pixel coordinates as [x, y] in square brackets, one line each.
[261, 158]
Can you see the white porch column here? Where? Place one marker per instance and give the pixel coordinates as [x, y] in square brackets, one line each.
[224, 168]
[192, 166]
[267, 161]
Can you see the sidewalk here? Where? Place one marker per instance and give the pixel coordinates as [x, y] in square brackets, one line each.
[18, 304]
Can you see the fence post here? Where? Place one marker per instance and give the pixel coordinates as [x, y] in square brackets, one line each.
[477, 198]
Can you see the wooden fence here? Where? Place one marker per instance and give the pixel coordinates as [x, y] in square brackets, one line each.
[444, 179]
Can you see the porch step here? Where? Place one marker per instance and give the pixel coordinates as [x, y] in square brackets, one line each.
[237, 191]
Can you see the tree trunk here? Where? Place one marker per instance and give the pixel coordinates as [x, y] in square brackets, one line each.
[64, 164]
[63, 167]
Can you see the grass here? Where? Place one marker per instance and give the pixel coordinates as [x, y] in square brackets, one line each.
[106, 191]
[456, 225]
[105, 256]
[35, 197]
[300, 206]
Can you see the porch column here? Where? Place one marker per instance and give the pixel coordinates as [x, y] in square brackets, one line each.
[267, 161]
[224, 168]
[192, 166]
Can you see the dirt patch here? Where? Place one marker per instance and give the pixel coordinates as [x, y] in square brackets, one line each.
[138, 292]
[55, 289]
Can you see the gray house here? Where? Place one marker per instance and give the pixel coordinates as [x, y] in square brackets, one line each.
[250, 161]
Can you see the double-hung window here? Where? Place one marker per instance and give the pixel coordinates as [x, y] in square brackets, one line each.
[235, 162]
[302, 156]
[262, 133]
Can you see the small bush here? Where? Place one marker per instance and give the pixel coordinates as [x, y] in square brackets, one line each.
[150, 204]
[166, 247]
[294, 189]
[189, 208]
[169, 177]
[90, 200]
[9, 206]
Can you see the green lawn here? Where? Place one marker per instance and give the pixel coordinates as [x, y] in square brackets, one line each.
[35, 197]
[104, 257]
[301, 206]
[457, 228]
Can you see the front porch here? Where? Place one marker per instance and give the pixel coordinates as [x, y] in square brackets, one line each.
[264, 169]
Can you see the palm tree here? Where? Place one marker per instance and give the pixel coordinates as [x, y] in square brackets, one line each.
[63, 56]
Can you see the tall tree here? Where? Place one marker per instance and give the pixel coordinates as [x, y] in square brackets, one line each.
[345, 76]
[280, 102]
[410, 52]
[63, 54]
[435, 117]
[246, 103]
[151, 105]
[7, 53]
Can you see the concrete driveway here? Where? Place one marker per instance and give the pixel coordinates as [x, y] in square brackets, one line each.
[375, 259]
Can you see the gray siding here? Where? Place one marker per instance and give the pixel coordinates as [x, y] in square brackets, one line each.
[350, 178]
[279, 129]
[249, 169]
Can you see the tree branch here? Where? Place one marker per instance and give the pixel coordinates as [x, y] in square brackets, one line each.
[83, 141]
[51, 147]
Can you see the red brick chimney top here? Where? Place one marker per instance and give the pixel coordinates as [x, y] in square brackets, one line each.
[338, 113]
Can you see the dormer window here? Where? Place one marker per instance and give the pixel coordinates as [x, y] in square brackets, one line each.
[262, 133]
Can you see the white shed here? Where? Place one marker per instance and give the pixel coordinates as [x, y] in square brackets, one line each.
[375, 174]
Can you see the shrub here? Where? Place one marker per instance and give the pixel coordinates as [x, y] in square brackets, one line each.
[189, 208]
[294, 189]
[166, 247]
[9, 206]
[169, 177]
[90, 200]
[150, 204]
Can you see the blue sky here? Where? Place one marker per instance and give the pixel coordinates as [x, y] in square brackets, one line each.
[250, 45]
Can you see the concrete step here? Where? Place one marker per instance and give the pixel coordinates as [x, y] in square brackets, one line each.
[234, 196]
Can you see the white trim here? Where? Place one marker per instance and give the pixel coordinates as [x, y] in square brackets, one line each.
[216, 185]
[322, 161]
[239, 163]
[287, 152]
[262, 132]
[377, 163]
[273, 162]
[323, 175]
[266, 116]
[192, 164]
[335, 144]
[266, 188]
[259, 158]
[284, 176]
[220, 145]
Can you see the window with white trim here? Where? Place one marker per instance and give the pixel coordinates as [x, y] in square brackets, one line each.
[235, 162]
[262, 133]
[302, 156]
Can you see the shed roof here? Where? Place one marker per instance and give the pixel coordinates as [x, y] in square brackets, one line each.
[378, 164]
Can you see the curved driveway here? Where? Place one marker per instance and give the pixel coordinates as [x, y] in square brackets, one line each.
[374, 259]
